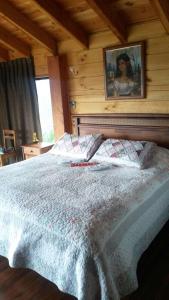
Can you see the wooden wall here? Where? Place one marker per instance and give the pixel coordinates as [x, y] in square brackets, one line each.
[85, 69]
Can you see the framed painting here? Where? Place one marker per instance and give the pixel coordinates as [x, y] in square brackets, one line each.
[124, 71]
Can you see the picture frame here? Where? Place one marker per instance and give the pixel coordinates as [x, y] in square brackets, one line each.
[124, 71]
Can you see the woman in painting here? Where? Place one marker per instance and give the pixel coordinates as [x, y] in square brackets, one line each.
[123, 84]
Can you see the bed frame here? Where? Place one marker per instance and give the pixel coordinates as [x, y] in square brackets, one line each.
[152, 127]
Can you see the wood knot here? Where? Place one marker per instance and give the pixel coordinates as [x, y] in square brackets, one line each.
[110, 107]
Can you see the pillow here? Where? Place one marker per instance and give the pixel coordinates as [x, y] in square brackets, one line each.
[125, 152]
[79, 147]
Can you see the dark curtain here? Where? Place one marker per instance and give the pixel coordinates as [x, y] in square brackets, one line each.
[18, 100]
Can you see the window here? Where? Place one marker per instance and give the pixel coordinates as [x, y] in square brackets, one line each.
[45, 109]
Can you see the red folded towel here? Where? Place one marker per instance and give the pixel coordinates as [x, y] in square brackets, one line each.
[83, 164]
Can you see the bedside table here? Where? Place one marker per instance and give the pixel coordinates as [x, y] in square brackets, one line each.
[35, 149]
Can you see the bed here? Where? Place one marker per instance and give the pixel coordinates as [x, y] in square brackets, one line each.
[85, 231]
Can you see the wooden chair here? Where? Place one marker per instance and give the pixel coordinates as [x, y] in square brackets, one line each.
[9, 138]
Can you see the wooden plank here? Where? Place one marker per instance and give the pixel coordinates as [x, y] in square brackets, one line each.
[88, 97]
[65, 46]
[84, 84]
[40, 60]
[159, 77]
[135, 11]
[154, 46]
[96, 69]
[13, 42]
[154, 92]
[90, 21]
[4, 54]
[158, 45]
[155, 59]
[60, 109]
[93, 69]
[85, 56]
[59, 15]
[150, 127]
[110, 18]
[27, 25]
[156, 88]
[95, 82]
[75, 5]
[146, 30]
[132, 106]
[162, 9]
[95, 85]
[158, 61]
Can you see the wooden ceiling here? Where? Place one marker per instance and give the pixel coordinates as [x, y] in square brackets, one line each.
[25, 25]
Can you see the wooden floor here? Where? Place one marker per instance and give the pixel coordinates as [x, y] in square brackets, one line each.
[153, 275]
[26, 285]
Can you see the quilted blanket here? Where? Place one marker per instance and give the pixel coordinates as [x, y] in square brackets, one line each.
[83, 230]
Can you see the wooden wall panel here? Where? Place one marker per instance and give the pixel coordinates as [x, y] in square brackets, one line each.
[94, 59]
[153, 96]
[142, 31]
[158, 45]
[86, 78]
[59, 97]
[140, 106]
[40, 59]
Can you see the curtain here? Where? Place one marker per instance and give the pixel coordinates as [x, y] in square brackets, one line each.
[18, 100]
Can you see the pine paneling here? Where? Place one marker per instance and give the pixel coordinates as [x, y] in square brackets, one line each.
[133, 106]
[137, 32]
[86, 73]
[153, 96]
[158, 77]
[40, 60]
[158, 61]
[158, 45]
[96, 69]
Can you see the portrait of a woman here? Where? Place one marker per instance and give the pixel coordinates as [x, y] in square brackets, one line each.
[123, 73]
[123, 82]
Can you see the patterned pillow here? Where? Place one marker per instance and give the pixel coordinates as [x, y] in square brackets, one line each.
[125, 152]
[80, 147]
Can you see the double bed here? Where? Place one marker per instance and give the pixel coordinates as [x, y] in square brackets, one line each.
[86, 230]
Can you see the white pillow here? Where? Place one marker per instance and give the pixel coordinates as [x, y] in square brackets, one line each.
[79, 147]
[125, 152]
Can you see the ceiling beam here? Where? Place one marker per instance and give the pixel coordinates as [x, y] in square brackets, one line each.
[13, 42]
[162, 9]
[27, 25]
[4, 54]
[59, 15]
[110, 18]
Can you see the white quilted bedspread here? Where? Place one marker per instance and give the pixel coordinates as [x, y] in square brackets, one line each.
[83, 230]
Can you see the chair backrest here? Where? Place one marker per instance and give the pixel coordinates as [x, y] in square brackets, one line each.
[9, 135]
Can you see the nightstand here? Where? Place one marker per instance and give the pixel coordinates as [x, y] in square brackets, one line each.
[35, 149]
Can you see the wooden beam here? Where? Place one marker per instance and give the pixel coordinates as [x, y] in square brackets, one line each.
[110, 18]
[59, 15]
[59, 95]
[4, 54]
[27, 25]
[162, 9]
[13, 42]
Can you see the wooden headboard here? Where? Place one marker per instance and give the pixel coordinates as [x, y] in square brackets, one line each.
[152, 127]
